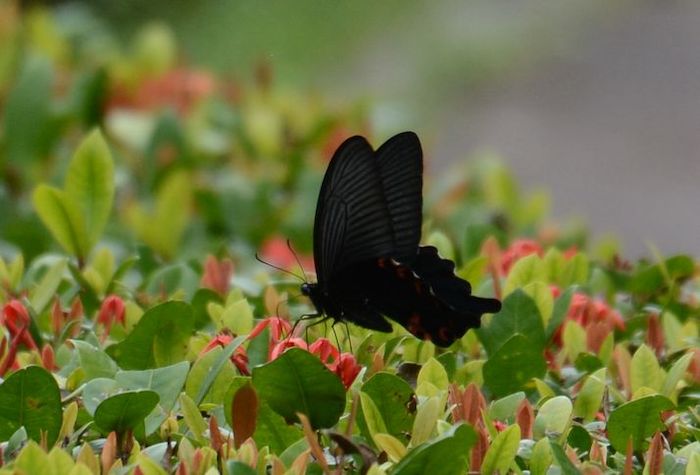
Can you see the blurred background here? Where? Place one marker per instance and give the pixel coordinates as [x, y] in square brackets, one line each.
[597, 102]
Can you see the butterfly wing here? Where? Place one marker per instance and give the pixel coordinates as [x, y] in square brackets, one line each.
[352, 220]
[400, 161]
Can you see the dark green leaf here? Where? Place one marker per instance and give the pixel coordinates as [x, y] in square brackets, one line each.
[30, 398]
[160, 338]
[298, 382]
[638, 420]
[519, 315]
[125, 411]
[449, 452]
[513, 366]
[393, 397]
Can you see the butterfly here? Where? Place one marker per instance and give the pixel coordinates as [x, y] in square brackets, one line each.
[367, 253]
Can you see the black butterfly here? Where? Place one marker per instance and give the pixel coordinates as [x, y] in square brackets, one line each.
[366, 247]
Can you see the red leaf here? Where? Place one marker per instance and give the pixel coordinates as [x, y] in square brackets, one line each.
[525, 417]
[479, 450]
[655, 457]
[244, 412]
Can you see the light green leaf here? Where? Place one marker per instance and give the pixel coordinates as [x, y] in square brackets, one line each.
[590, 396]
[526, 270]
[62, 216]
[373, 418]
[573, 339]
[45, 290]
[541, 294]
[501, 454]
[541, 458]
[90, 183]
[426, 418]
[32, 459]
[645, 370]
[193, 418]
[675, 373]
[553, 417]
[576, 271]
[433, 372]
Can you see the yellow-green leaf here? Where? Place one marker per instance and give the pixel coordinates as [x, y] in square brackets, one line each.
[426, 418]
[526, 270]
[541, 294]
[645, 370]
[62, 216]
[433, 372]
[590, 396]
[501, 454]
[553, 417]
[90, 183]
[391, 445]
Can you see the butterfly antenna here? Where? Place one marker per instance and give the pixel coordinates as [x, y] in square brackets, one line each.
[296, 258]
[261, 260]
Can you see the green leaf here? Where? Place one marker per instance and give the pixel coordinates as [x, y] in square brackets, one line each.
[30, 398]
[167, 382]
[90, 184]
[638, 420]
[514, 366]
[426, 418]
[561, 308]
[525, 271]
[272, 431]
[125, 411]
[675, 373]
[450, 452]
[645, 370]
[298, 382]
[504, 408]
[567, 468]
[62, 216]
[590, 396]
[392, 396]
[541, 458]
[519, 315]
[651, 279]
[32, 459]
[573, 340]
[46, 289]
[222, 360]
[160, 338]
[553, 417]
[541, 294]
[501, 454]
[97, 390]
[372, 417]
[94, 362]
[234, 467]
[210, 377]
[576, 271]
[434, 373]
[193, 418]
[163, 228]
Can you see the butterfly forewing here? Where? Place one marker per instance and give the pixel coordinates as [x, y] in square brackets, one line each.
[400, 162]
[352, 220]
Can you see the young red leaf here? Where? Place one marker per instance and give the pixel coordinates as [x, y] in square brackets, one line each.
[244, 412]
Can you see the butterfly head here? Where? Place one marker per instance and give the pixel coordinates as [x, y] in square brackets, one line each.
[313, 292]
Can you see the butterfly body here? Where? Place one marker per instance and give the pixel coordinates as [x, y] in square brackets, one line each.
[368, 260]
